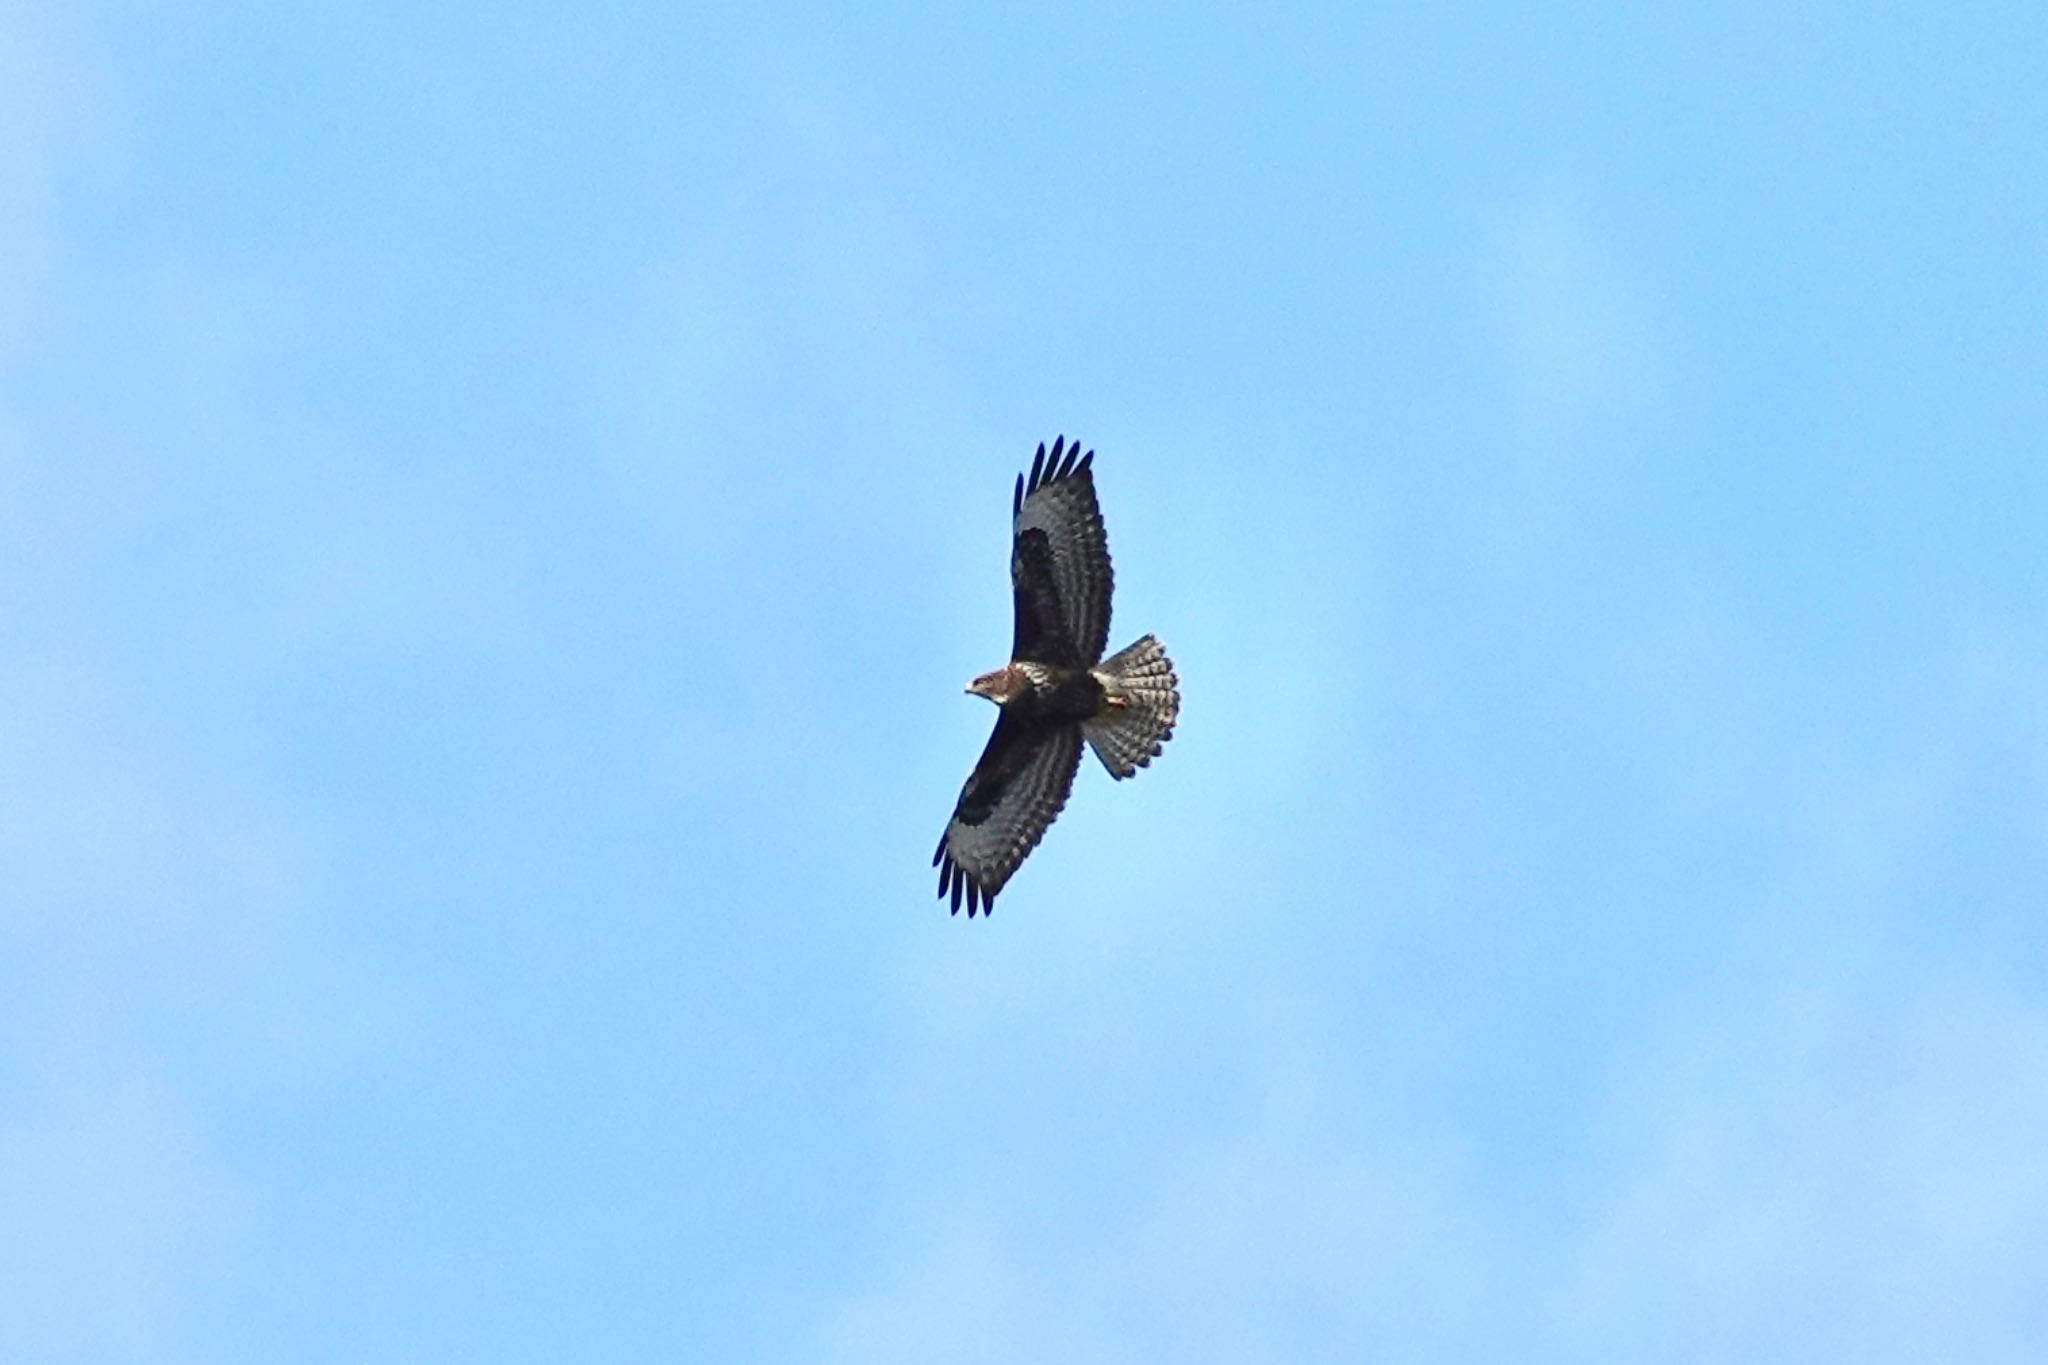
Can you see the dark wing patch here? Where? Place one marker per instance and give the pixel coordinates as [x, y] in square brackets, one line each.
[1043, 634]
[1059, 560]
[1010, 800]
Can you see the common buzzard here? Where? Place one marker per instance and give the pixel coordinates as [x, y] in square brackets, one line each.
[1057, 689]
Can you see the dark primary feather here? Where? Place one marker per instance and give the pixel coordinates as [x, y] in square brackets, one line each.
[1009, 801]
[1059, 560]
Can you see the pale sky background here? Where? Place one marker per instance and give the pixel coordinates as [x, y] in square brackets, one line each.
[498, 503]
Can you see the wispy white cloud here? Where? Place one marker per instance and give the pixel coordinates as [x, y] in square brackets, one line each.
[1831, 1146]
[490, 602]
[1823, 1141]
[61, 116]
[160, 945]
[120, 1219]
[34, 115]
[1583, 342]
[1819, 1167]
[161, 950]
[1294, 1232]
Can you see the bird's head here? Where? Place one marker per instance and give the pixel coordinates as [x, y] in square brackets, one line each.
[998, 686]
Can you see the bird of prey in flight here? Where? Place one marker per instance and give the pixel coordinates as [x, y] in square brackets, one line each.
[1057, 689]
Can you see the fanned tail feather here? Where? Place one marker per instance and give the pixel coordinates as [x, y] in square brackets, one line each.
[1143, 704]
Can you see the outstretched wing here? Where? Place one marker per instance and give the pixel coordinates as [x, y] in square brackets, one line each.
[1011, 798]
[1059, 560]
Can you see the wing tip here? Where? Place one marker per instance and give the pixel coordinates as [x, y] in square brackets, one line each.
[1066, 460]
[959, 886]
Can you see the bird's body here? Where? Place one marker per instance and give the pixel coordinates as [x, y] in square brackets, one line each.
[1057, 690]
[1030, 690]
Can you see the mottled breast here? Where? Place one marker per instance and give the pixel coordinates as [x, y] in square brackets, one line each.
[1061, 694]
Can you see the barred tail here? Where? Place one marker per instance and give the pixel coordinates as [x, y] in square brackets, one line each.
[1142, 703]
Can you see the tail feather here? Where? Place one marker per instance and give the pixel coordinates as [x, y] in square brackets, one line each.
[1143, 702]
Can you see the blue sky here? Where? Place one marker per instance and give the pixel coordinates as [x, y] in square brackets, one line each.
[497, 507]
